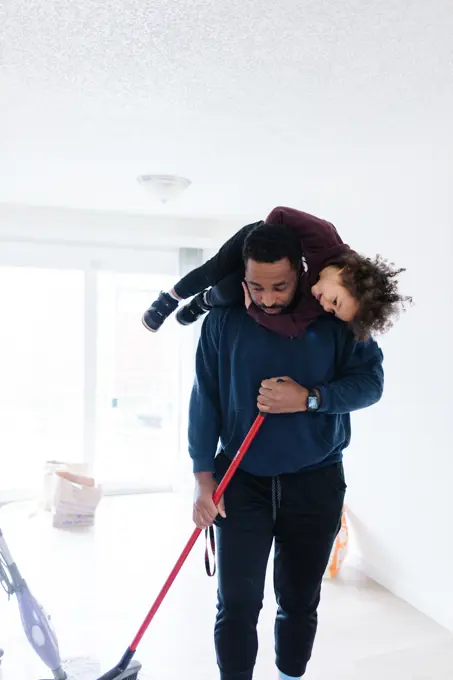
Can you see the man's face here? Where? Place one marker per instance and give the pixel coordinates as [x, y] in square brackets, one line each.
[272, 285]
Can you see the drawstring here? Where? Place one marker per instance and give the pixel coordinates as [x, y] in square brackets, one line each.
[210, 536]
[276, 496]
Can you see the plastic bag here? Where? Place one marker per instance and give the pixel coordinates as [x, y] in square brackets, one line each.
[75, 498]
[49, 480]
[339, 549]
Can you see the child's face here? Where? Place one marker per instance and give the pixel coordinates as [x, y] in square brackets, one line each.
[272, 285]
[333, 296]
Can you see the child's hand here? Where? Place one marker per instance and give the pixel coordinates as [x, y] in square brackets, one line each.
[247, 298]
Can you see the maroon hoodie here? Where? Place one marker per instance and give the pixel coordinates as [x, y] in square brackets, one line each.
[321, 246]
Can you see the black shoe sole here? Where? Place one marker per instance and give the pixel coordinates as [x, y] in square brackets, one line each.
[189, 323]
[151, 330]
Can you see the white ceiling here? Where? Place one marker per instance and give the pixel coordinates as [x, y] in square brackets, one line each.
[257, 102]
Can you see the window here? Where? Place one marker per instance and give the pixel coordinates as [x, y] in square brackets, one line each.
[137, 434]
[81, 379]
[41, 371]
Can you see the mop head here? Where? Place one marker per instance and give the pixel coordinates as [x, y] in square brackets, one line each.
[83, 668]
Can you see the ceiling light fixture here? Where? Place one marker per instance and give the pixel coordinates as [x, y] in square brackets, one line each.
[164, 188]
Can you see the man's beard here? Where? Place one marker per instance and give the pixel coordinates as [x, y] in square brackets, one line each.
[280, 308]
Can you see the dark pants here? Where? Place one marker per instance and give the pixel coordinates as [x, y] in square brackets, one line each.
[302, 513]
[228, 291]
[223, 273]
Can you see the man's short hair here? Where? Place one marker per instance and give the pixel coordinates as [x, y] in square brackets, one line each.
[271, 243]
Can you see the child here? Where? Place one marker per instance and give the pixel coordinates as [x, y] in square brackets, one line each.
[333, 279]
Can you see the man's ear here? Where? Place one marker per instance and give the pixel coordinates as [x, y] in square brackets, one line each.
[247, 297]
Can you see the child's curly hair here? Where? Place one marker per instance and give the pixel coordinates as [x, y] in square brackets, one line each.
[373, 282]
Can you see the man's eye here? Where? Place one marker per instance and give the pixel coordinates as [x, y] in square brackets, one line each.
[335, 302]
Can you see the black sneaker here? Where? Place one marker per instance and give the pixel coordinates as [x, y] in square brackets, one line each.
[161, 308]
[192, 311]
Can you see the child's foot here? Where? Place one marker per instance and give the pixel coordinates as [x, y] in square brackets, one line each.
[192, 311]
[156, 314]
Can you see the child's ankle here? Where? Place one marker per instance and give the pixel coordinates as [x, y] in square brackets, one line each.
[174, 295]
[206, 300]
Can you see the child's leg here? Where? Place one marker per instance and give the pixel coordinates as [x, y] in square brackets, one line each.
[195, 282]
[227, 260]
[221, 265]
[226, 293]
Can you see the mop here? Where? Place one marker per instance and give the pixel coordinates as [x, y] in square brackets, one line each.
[38, 628]
[36, 623]
[117, 672]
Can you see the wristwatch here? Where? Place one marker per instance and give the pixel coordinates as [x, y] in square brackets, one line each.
[313, 400]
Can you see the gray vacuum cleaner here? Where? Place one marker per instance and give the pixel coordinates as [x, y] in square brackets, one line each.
[36, 623]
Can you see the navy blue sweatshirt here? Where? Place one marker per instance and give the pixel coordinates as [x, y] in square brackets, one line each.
[235, 354]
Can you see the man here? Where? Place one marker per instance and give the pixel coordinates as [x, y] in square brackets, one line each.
[290, 487]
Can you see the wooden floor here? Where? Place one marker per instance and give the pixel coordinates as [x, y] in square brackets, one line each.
[99, 583]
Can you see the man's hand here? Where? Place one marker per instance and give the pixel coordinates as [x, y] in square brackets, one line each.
[247, 298]
[282, 395]
[204, 510]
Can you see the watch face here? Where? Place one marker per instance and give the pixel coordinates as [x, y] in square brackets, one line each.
[313, 403]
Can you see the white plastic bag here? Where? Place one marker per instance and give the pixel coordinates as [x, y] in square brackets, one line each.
[49, 479]
[75, 500]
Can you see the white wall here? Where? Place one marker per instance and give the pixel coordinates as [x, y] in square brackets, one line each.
[54, 225]
[400, 463]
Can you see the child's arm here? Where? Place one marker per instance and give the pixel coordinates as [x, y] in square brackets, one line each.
[227, 260]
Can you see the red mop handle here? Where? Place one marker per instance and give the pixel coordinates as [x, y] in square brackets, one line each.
[237, 459]
[192, 540]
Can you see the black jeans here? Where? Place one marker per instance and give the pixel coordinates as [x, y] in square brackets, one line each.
[302, 513]
[228, 291]
[223, 273]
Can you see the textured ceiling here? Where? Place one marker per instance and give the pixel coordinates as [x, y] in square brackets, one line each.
[258, 102]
